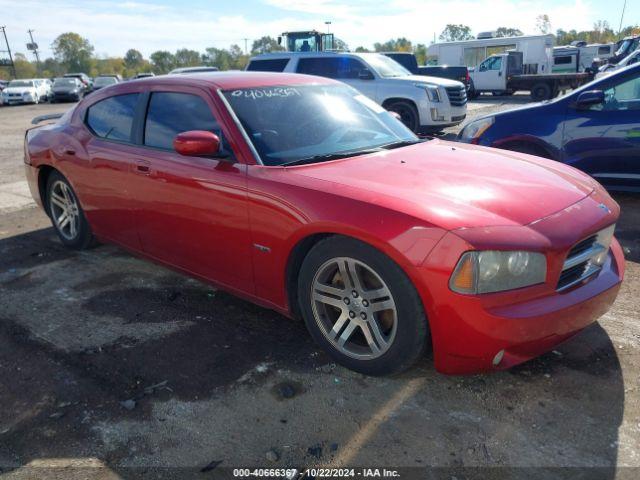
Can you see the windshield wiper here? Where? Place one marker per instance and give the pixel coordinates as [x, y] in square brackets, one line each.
[330, 156]
[400, 143]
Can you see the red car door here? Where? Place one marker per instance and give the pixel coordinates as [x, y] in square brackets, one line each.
[191, 212]
[103, 181]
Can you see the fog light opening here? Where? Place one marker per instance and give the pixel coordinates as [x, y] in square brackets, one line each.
[498, 358]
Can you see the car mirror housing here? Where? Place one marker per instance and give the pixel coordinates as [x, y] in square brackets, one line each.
[198, 143]
[589, 98]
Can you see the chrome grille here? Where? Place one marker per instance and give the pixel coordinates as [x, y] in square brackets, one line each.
[457, 95]
[585, 259]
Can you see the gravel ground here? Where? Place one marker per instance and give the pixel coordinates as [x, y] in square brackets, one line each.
[112, 367]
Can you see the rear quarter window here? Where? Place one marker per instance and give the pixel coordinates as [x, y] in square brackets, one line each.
[112, 117]
[268, 65]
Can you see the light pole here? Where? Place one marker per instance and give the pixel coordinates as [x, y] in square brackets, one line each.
[624, 7]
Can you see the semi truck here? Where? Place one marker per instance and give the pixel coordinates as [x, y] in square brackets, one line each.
[504, 74]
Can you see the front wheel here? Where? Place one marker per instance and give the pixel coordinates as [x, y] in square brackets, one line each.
[66, 213]
[541, 91]
[408, 114]
[361, 307]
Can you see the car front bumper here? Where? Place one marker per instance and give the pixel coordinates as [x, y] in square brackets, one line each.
[481, 333]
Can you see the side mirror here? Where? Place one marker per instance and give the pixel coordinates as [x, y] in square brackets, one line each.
[589, 98]
[365, 74]
[197, 143]
[483, 68]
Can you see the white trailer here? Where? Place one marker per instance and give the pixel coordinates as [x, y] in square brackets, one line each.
[537, 51]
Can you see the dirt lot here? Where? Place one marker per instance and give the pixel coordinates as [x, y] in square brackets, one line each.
[109, 361]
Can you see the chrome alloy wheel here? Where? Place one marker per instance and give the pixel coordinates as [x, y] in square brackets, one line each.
[354, 308]
[64, 210]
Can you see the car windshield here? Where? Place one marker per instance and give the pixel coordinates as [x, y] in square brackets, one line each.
[628, 45]
[385, 66]
[64, 82]
[104, 81]
[312, 123]
[20, 83]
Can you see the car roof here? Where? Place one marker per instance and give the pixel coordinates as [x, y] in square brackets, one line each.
[313, 54]
[233, 79]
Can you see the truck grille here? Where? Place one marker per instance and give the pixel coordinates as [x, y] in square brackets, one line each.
[457, 95]
[585, 259]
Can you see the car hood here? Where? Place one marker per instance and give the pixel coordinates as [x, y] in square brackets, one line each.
[444, 82]
[454, 185]
[20, 90]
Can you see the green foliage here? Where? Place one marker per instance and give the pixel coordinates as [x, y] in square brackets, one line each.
[265, 45]
[187, 58]
[508, 32]
[133, 59]
[362, 50]
[397, 45]
[543, 23]
[456, 33]
[74, 52]
[162, 61]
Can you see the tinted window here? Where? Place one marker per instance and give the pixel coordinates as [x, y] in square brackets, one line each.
[604, 50]
[333, 67]
[562, 60]
[112, 117]
[270, 65]
[172, 113]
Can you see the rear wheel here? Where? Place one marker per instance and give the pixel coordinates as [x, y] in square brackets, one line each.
[541, 91]
[66, 213]
[361, 307]
[408, 114]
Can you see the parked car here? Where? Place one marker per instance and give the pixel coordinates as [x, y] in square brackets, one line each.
[22, 91]
[104, 81]
[410, 62]
[144, 75]
[86, 81]
[45, 88]
[3, 84]
[303, 195]
[202, 68]
[425, 104]
[595, 129]
[609, 68]
[67, 89]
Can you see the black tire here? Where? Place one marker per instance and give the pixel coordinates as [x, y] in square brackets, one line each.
[473, 93]
[408, 114]
[411, 336]
[83, 238]
[541, 91]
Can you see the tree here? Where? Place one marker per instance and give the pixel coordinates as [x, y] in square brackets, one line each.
[420, 51]
[362, 50]
[133, 59]
[340, 44]
[265, 45]
[508, 32]
[187, 58]
[397, 45]
[73, 52]
[543, 24]
[162, 61]
[455, 33]
[24, 68]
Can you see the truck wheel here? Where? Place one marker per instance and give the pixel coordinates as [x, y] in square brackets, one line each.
[408, 114]
[473, 93]
[541, 91]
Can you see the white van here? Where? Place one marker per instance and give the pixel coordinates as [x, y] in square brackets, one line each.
[423, 103]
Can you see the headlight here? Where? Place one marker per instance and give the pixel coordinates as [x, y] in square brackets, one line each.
[495, 271]
[472, 132]
[433, 91]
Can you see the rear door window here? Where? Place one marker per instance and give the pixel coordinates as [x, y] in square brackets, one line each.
[333, 67]
[268, 65]
[112, 117]
[171, 113]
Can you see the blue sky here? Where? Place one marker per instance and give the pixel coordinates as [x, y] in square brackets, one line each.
[149, 25]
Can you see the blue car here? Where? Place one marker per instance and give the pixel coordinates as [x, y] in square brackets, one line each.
[595, 128]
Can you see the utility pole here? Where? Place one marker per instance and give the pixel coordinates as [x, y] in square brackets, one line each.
[246, 52]
[13, 66]
[34, 49]
[624, 7]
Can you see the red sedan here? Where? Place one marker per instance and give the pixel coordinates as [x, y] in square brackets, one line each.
[302, 195]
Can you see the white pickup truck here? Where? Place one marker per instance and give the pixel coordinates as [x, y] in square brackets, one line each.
[425, 104]
[502, 74]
